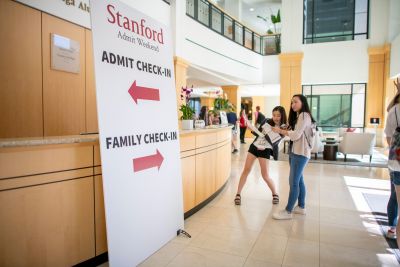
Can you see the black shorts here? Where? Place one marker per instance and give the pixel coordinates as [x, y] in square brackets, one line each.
[266, 154]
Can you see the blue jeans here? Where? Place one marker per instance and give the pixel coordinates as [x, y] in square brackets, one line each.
[296, 181]
[392, 203]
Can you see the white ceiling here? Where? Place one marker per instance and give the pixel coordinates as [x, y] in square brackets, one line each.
[260, 90]
[204, 80]
[199, 76]
[261, 7]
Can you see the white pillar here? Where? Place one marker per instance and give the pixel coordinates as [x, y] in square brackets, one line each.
[178, 14]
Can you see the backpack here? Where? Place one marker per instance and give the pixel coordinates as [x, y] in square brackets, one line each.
[394, 151]
[310, 134]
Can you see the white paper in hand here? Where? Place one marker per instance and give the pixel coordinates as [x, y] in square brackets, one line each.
[267, 130]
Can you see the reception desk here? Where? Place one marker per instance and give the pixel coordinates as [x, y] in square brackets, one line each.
[51, 195]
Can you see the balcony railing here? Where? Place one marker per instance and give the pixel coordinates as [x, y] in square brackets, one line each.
[215, 19]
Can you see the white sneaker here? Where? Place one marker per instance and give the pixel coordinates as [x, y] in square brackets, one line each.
[282, 215]
[391, 234]
[299, 210]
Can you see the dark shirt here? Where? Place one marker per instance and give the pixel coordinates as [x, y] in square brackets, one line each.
[232, 118]
[260, 118]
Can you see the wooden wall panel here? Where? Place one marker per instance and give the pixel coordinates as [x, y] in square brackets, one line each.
[206, 139]
[187, 142]
[91, 108]
[377, 78]
[223, 165]
[224, 135]
[49, 225]
[35, 160]
[100, 216]
[189, 182]
[20, 71]
[205, 175]
[63, 92]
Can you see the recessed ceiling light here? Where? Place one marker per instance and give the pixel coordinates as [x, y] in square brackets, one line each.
[251, 9]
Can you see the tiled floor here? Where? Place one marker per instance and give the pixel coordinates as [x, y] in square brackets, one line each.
[337, 231]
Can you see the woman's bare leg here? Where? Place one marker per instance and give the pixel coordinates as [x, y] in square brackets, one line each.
[246, 170]
[264, 166]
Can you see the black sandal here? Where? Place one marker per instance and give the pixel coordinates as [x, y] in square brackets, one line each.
[275, 199]
[238, 200]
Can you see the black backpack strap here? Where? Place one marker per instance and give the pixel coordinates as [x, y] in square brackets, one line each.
[395, 113]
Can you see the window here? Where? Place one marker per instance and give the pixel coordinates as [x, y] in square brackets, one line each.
[238, 33]
[195, 104]
[203, 12]
[209, 15]
[257, 43]
[335, 20]
[216, 21]
[336, 106]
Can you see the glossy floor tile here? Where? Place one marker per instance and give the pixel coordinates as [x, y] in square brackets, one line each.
[338, 230]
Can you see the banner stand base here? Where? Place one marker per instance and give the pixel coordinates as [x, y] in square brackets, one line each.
[183, 232]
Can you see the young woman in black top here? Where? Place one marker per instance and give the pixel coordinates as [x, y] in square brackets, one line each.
[278, 118]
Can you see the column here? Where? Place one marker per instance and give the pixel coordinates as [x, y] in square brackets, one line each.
[233, 95]
[378, 91]
[181, 66]
[232, 92]
[290, 79]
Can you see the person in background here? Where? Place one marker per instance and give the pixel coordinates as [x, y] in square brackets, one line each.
[232, 119]
[263, 155]
[393, 122]
[204, 115]
[258, 116]
[300, 121]
[243, 125]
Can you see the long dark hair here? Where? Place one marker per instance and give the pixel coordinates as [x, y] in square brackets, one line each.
[282, 111]
[304, 108]
[203, 113]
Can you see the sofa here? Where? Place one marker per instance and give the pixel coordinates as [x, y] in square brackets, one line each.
[358, 144]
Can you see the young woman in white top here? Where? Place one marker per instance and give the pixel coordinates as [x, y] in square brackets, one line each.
[393, 122]
[300, 120]
[263, 156]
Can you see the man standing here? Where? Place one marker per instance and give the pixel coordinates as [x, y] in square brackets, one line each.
[259, 117]
[232, 119]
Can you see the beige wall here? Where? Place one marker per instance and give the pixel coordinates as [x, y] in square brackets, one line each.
[36, 100]
[21, 104]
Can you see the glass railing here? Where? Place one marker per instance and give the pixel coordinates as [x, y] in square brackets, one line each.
[215, 19]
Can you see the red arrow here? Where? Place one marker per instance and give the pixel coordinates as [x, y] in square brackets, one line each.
[145, 93]
[143, 163]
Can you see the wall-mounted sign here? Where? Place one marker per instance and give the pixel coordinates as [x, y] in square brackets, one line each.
[224, 118]
[76, 11]
[138, 131]
[64, 54]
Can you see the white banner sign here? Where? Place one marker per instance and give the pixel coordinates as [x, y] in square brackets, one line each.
[76, 11]
[136, 102]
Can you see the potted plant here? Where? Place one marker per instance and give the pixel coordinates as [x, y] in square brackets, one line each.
[187, 111]
[275, 19]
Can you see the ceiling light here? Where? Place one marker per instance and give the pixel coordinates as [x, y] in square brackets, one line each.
[251, 9]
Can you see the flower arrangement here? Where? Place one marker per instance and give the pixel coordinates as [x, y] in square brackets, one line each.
[187, 111]
[221, 103]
